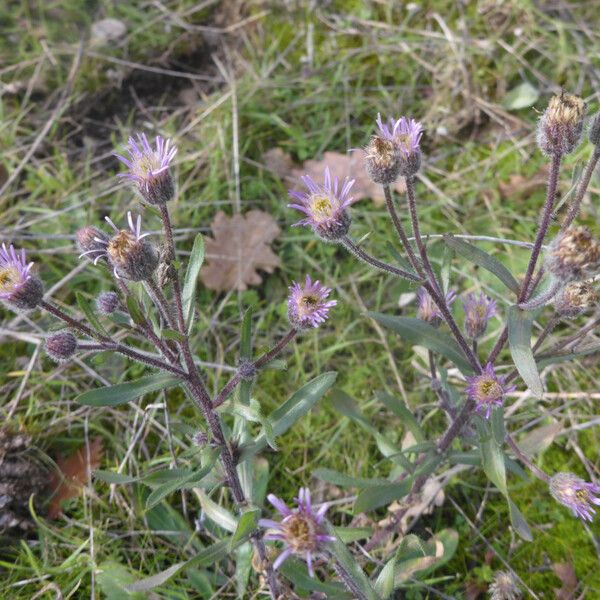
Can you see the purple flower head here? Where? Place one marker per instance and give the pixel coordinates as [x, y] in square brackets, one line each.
[487, 390]
[301, 530]
[324, 205]
[576, 494]
[406, 135]
[61, 346]
[427, 309]
[130, 255]
[19, 287]
[149, 168]
[478, 311]
[308, 305]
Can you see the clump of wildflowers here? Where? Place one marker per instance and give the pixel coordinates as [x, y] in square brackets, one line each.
[561, 125]
[91, 242]
[325, 206]
[107, 303]
[575, 298]
[427, 309]
[19, 287]
[61, 346]
[301, 530]
[129, 253]
[149, 168]
[572, 254]
[504, 587]
[487, 390]
[308, 305]
[576, 494]
[478, 311]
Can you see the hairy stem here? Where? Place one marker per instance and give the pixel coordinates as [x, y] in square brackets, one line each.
[160, 302]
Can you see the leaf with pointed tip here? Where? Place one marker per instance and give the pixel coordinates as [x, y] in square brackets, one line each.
[188, 295]
[519, 342]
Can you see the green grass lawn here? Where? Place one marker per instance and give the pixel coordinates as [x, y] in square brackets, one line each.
[230, 81]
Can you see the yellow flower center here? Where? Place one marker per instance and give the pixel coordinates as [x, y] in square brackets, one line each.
[120, 245]
[300, 531]
[582, 494]
[489, 389]
[307, 303]
[321, 207]
[146, 164]
[9, 276]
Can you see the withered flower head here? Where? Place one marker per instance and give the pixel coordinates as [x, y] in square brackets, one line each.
[573, 254]
[561, 125]
[575, 298]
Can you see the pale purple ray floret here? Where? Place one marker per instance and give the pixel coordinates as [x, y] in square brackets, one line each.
[427, 309]
[145, 162]
[324, 205]
[405, 133]
[576, 494]
[302, 529]
[14, 271]
[308, 305]
[487, 390]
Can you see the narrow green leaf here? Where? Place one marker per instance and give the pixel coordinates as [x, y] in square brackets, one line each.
[353, 534]
[400, 409]
[374, 497]
[112, 477]
[296, 571]
[90, 315]
[423, 334]
[246, 525]
[384, 585]
[544, 361]
[246, 336]
[403, 262]
[343, 480]
[188, 294]
[135, 310]
[519, 341]
[294, 408]
[172, 334]
[492, 457]
[484, 260]
[217, 513]
[243, 568]
[518, 521]
[114, 395]
[523, 95]
[497, 423]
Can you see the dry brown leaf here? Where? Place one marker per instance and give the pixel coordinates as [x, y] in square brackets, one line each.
[566, 573]
[474, 590]
[73, 473]
[519, 185]
[342, 165]
[239, 247]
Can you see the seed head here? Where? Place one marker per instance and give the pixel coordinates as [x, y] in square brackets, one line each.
[427, 309]
[301, 530]
[382, 160]
[487, 390]
[478, 311]
[573, 254]
[575, 298]
[61, 346]
[325, 206]
[576, 494]
[107, 303]
[308, 305]
[504, 587]
[91, 242]
[19, 287]
[149, 168]
[561, 125]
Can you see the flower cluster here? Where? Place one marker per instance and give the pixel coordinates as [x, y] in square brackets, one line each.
[301, 530]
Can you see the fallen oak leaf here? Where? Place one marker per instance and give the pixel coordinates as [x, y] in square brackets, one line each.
[520, 185]
[566, 573]
[72, 474]
[238, 248]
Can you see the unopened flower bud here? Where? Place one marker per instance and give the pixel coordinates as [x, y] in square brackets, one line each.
[573, 254]
[575, 298]
[107, 303]
[199, 439]
[561, 125]
[91, 243]
[594, 131]
[427, 309]
[382, 161]
[246, 369]
[61, 346]
[19, 287]
[478, 311]
[149, 168]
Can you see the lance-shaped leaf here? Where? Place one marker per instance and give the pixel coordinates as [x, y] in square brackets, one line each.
[483, 259]
[421, 333]
[381, 495]
[519, 341]
[113, 395]
[188, 294]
